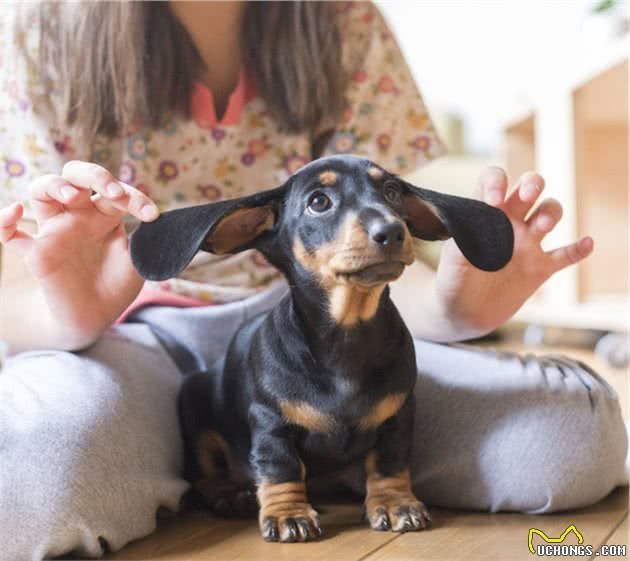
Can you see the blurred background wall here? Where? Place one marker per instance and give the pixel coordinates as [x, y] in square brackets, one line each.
[486, 60]
[535, 85]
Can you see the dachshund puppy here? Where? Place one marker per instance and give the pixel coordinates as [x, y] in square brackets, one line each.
[326, 377]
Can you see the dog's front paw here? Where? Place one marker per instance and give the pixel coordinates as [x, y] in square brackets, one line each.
[397, 513]
[285, 514]
[298, 523]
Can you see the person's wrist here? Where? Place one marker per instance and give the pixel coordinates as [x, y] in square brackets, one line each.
[64, 334]
[459, 321]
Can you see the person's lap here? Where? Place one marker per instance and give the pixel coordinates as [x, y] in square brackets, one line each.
[91, 449]
[502, 431]
[90, 446]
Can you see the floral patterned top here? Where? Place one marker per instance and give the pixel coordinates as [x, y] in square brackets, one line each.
[205, 159]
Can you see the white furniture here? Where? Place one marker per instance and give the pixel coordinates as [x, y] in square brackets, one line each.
[576, 136]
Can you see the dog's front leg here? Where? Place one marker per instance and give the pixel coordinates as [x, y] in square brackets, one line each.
[285, 513]
[390, 502]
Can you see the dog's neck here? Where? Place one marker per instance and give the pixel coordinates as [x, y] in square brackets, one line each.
[339, 319]
[354, 356]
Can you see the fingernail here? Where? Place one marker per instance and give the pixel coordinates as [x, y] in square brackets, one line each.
[494, 197]
[149, 212]
[545, 222]
[586, 245]
[67, 192]
[529, 191]
[114, 190]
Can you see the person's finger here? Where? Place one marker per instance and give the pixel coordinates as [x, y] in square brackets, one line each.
[109, 207]
[122, 196]
[545, 218]
[570, 254]
[50, 193]
[135, 203]
[87, 175]
[10, 235]
[492, 186]
[522, 198]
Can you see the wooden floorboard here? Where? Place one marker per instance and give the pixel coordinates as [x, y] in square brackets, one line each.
[465, 536]
[460, 536]
[619, 537]
[199, 536]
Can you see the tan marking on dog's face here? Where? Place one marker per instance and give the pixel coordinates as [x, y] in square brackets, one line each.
[305, 415]
[351, 250]
[383, 410]
[375, 173]
[328, 177]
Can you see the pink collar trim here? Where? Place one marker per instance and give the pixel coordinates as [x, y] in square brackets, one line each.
[204, 111]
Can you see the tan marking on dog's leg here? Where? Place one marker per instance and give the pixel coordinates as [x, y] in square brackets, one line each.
[305, 415]
[212, 457]
[390, 502]
[285, 513]
[383, 410]
[210, 448]
[328, 177]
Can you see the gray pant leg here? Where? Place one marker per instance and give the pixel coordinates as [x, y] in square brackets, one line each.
[494, 431]
[89, 443]
[207, 331]
[89, 446]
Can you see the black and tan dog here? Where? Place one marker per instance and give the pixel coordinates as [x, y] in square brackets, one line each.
[325, 378]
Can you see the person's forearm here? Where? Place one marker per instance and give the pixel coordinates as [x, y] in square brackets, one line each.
[416, 297]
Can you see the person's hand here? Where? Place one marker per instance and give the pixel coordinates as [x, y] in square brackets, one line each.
[478, 301]
[80, 255]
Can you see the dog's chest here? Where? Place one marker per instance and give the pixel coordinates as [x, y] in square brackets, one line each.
[326, 452]
[340, 424]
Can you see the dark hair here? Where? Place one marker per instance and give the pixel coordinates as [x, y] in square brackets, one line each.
[118, 63]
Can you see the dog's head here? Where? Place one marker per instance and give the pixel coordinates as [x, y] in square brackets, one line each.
[341, 220]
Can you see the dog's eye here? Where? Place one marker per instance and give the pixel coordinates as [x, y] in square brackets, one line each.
[318, 203]
[391, 194]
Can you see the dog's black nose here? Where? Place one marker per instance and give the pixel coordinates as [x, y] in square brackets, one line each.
[387, 234]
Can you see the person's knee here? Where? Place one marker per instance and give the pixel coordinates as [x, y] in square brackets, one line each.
[56, 391]
[515, 433]
[566, 451]
[88, 455]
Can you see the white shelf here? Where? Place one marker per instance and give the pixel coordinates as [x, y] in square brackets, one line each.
[575, 135]
[609, 314]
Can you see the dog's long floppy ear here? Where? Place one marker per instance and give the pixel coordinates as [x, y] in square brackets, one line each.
[483, 233]
[163, 248]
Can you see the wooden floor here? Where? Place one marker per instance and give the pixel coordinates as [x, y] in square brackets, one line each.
[465, 536]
